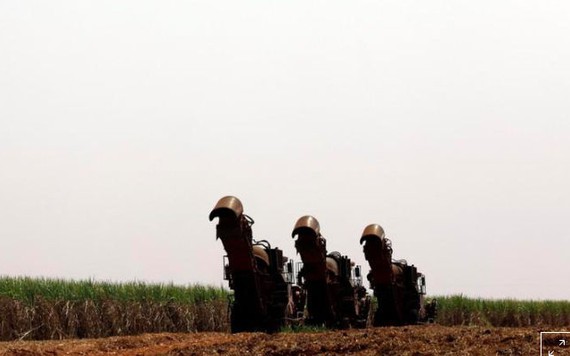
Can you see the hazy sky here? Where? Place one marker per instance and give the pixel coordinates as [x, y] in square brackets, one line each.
[447, 122]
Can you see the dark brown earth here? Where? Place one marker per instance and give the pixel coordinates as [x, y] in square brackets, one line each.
[411, 340]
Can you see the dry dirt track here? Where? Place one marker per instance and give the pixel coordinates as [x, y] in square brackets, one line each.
[414, 340]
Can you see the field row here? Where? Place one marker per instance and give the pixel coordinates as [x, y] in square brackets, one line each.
[35, 309]
[460, 310]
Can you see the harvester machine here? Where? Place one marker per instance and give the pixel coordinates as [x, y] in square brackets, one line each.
[398, 287]
[255, 271]
[331, 294]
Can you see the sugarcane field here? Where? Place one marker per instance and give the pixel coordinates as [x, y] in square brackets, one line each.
[292, 177]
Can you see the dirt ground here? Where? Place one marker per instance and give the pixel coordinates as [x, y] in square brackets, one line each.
[411, 340]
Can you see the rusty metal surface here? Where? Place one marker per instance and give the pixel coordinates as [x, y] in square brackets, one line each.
[311, 246]
[259, 252]
[307, 222]
[372, 230]
[228, 204]
[378, 254]
[260, 292]
[332, 265]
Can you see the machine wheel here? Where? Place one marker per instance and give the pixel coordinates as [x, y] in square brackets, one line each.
[236, 320]
[413, 316]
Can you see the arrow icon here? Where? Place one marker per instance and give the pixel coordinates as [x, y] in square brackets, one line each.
[562, 342]
[550, 353]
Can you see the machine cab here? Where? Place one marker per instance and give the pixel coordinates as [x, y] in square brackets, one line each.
[357, 276]
[226, 264]
[289, 273]
[422, 284]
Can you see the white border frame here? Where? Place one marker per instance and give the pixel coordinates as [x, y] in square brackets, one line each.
[550, 332]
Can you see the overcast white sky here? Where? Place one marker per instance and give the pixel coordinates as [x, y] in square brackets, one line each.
[447, 122]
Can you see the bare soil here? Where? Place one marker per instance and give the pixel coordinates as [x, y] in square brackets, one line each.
[410, 340]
